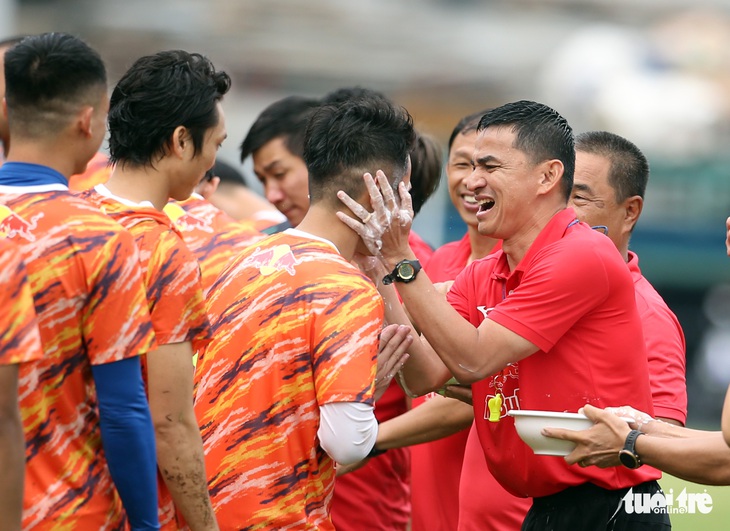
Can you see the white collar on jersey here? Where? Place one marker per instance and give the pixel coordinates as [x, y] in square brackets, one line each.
[103, 190]
[302, 234]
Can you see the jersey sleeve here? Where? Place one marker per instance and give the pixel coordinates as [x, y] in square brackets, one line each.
[459, 293]
[19, 337]
[346, 334]
[562, 286]
[115, 318]
[175, 292]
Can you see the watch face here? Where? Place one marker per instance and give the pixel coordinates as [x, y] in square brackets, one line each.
[406, 271]
[628, 459]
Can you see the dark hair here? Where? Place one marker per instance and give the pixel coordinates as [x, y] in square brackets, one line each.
[11, 41]
[426, 159]
[466, 125]
[47, 77]
[156, 95]
[227, 173]
[540, 132]
[344, 141]
[344, 94]
[287, 119]
[629, 171]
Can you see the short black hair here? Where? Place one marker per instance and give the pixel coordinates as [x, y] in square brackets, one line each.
[466, 125]
[629, 173]
[344, 94]
[228, 173]
[343, 141]
[47, 78]
[287, 119]
[540, 132]
[11, 41]
[156, 95]
[427, 158]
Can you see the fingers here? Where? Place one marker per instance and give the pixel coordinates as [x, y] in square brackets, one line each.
[459, 392]
[376, 198]
[406, 203]
[386, 334]
[560, 433]
[353, 205]
[359, 228]
[387, 191]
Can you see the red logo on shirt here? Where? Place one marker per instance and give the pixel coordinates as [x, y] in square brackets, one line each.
[277, 258]
[11, 224]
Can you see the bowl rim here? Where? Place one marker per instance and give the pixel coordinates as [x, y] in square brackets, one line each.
[546, 414]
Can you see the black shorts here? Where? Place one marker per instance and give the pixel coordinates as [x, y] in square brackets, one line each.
[591, 508]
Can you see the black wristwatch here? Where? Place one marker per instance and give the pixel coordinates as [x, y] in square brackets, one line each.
[375, 452]
[628, 455]
[405, 271]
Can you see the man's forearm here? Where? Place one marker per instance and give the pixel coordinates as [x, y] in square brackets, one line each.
[704, 460]
[12, 464]
[181, 462]
[437, 418]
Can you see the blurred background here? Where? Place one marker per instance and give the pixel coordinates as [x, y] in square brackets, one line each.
[655, 71]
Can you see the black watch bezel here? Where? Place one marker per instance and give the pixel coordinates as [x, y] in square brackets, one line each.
[628, 456]
[397, 275]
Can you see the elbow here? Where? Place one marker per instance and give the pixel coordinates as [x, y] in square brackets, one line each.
[346, 454]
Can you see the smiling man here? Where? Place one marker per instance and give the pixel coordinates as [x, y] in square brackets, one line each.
[546, 323]
[611, 174]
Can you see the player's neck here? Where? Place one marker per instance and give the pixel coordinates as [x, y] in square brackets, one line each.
[43, 153]
[139, 183]
[480, 245]
[322, 222]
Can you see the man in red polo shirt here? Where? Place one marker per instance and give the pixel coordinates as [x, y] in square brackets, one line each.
[608, 194]
[543, 314]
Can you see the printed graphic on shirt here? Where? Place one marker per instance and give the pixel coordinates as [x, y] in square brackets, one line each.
[213, 237]
[285, 343]
[171, 273]
[83, 271]
[12, 225]
[20, 341]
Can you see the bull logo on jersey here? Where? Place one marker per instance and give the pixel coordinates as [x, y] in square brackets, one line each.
[11, 224]
[185, 221]
[270, 260]
[505, 395]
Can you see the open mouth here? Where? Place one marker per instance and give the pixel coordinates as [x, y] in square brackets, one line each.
[486, 204]
[470, 200]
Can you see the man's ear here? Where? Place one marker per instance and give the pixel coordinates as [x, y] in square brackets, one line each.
[551, 174]
[632, 210]
[84, 121]
[206, 187]
[180, 141]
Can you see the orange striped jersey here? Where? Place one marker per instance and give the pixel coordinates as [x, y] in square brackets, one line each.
[294, 326]
[20, 341]
[97, 172]
[212, 235]
[174, 293]
[84, 274]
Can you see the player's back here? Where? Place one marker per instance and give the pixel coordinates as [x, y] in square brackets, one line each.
[285, 318]
[83, 272]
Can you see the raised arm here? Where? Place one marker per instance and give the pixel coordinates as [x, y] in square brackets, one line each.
[469, 353]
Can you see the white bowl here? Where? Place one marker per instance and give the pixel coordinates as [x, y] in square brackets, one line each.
[529, 424]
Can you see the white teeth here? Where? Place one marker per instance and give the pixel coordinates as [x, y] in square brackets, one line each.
[470, 199]
[485, 201]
